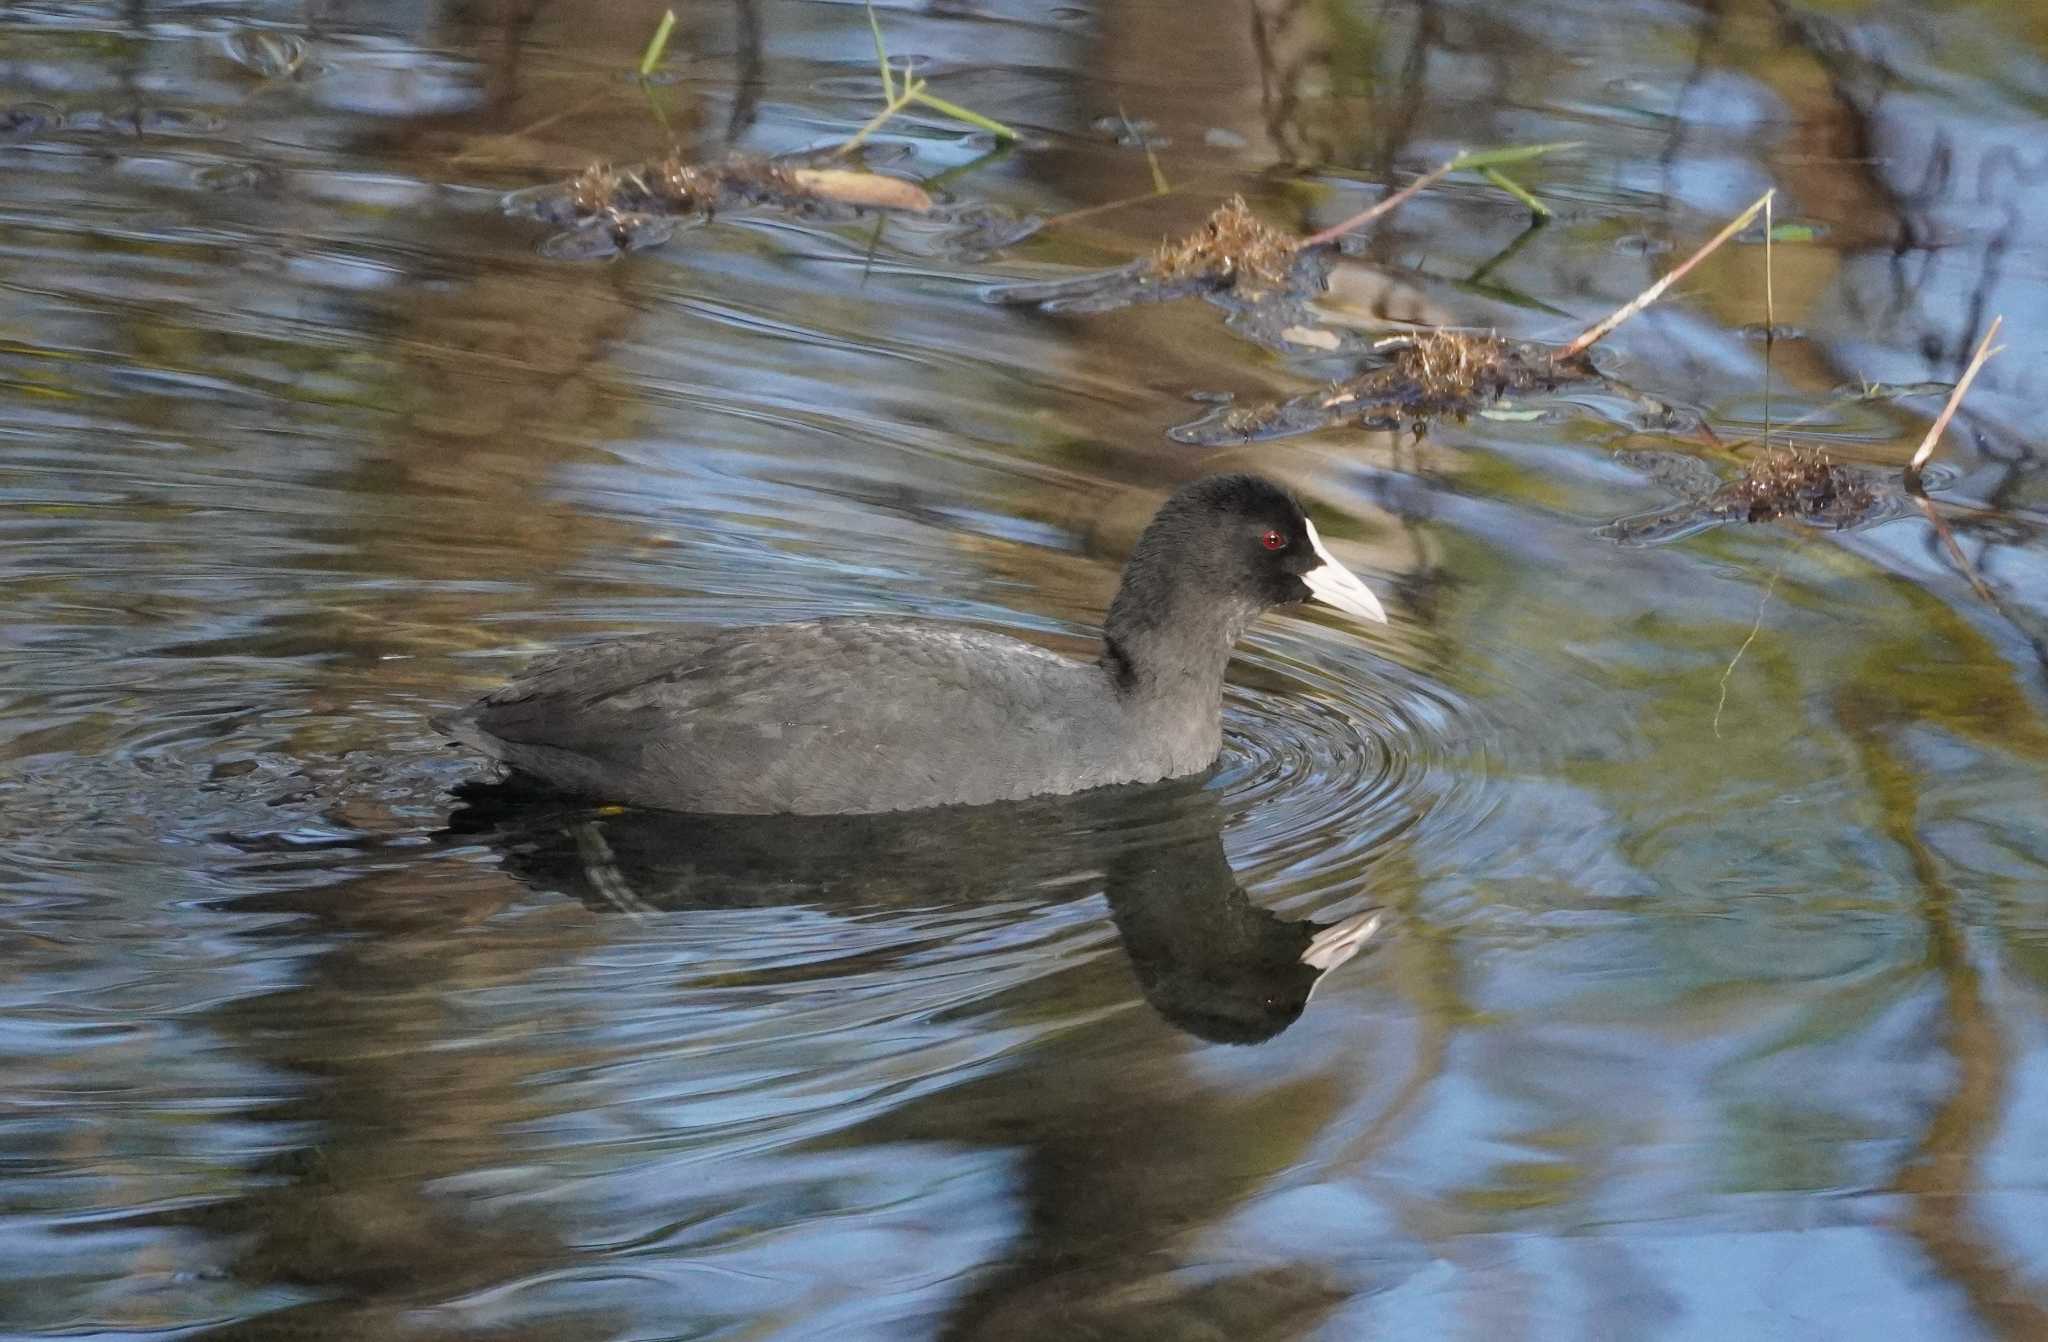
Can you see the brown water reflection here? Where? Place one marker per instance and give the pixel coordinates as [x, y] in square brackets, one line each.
[1710, 997]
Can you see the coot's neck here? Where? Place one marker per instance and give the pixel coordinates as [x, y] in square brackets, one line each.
[1165, 648]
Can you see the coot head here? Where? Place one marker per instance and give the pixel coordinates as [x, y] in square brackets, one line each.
[1233, 545]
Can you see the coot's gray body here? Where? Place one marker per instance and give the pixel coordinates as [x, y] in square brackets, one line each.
[828, 716]
[859, 714]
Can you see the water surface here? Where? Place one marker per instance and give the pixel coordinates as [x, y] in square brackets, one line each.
[1709, 1000]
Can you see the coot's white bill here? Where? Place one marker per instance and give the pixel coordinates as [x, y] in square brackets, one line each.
[1339, 941]
[1330, 581]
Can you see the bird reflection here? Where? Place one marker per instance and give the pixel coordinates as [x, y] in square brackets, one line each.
[1210, 961]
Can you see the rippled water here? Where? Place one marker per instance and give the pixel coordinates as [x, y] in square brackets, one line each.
[1709, 996]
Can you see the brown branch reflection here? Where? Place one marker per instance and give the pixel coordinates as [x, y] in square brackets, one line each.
[1944, 1172]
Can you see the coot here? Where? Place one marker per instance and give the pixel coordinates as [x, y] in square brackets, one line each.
[863, 714]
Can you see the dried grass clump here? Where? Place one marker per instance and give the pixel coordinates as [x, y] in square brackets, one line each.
[673, 186]
[597, 188]
[1796, 482]
[1451, 373]
[1456, 365]
[1234, 247]
[687, 187]
[1432, 375]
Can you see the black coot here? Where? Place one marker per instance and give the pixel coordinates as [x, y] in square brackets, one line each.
[860, 714]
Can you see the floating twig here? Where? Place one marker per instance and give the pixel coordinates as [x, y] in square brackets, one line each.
[1484, 161]
[1391, 203]
[1948, 411]
[1756, 627]
[1921, 454]
[1948, 540]
[1600, 330]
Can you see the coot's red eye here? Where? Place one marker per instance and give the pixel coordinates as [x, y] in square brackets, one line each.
[1274, 540]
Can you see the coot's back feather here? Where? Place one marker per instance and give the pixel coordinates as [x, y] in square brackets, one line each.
[824, 716]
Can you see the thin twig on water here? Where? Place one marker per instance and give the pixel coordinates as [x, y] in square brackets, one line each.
[1770, 318]
[1921, 454]
[1955, 398]
[1948, 541]
[1755, 628]
[1600, 330]
[1391, 203]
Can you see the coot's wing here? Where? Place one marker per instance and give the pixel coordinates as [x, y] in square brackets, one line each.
[593, 699]
[829, 715]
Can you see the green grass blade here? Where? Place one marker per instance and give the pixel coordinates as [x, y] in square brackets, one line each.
[654, 106]
[881, 55]
[1496, 158]
[959, 113]
[1159, 185]
[876, 122]
[657, 46]
[1517, 190]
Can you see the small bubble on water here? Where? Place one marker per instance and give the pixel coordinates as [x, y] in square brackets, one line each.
[231, 177]
[273, 55]
[1131, 132]
[1641, 244]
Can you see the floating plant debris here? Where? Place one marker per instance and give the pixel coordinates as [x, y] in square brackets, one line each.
[1797, 482]
[1430, 376]
[1800, 483]
[1262, 275]
[672, 186]
[1234, 252]
[1234, 246]
[1439, 373]
[609, 210]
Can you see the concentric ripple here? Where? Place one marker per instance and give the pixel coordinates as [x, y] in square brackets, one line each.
[1329, 755]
